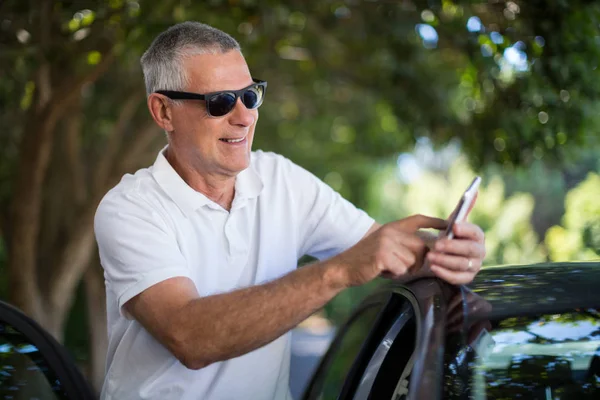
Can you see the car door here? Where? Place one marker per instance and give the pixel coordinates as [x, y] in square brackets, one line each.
[373, 353]
[539, 355]
[33, 365]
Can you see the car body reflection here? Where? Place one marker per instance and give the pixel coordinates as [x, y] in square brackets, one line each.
[531, 341]
[523, 332]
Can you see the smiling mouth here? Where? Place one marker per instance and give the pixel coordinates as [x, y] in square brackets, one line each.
[233, 140]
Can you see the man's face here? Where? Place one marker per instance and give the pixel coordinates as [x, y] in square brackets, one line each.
[198, 140]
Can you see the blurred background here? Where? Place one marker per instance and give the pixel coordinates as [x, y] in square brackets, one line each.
[395, 104]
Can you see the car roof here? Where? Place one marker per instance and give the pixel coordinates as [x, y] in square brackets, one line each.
[539, 288]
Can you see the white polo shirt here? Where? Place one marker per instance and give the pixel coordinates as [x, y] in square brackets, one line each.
[152, 226]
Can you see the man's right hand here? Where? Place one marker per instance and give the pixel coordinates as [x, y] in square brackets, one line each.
[391, 251]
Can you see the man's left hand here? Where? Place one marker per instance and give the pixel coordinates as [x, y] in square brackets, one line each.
[458, 260]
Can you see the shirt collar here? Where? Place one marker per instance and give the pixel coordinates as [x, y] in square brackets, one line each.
[247, 185]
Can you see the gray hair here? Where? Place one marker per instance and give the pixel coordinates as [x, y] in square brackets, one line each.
[162, 62]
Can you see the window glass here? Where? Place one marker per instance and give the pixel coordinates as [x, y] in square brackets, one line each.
[24, 373]
[343, 358]
[389, 361]
[554, 356]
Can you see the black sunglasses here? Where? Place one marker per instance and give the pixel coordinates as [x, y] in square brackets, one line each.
[221, 103]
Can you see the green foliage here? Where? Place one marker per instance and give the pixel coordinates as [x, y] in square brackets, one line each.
[77, 332]
[351, 85]
[505, 219]
[578, 238]
[510, 238]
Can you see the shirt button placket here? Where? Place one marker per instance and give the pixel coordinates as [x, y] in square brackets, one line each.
[230, 237]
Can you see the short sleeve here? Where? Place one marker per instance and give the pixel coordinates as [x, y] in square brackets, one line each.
[329, 224]
[137, 248]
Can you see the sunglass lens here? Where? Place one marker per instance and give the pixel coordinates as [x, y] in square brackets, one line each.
[253, 97]
[221, 104]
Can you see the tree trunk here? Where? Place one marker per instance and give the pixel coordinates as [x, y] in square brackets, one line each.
[25, 216]
[26, 201]
[73, 260]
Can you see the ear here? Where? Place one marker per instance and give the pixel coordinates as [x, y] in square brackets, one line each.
[161, 111]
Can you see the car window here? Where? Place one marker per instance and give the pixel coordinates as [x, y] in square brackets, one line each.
[24, 373]
[367, 356]
[349, 344]
[33, 365]
[552, 356]
[389, 364]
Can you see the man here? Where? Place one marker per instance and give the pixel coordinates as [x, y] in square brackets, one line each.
[200, 250]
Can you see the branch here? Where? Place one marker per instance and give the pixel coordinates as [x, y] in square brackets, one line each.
[34, 156]
[80, 245]
[137, 148]
[25, 212]
[115, 139]
[71, 87]
[73, 156]
[73, 259]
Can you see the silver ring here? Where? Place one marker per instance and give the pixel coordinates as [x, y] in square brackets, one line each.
[470, 265]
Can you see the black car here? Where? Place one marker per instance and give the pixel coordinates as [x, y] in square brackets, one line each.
[516, 332]
[33, 365]
[527, 332]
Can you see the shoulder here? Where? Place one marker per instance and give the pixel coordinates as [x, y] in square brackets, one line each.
[265, 161]
[136, 195]
[272, 166]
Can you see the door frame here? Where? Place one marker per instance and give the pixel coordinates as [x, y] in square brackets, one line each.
[72, 380]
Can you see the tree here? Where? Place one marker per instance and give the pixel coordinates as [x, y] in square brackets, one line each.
[56, 53]
[350, 84]
[506, 220]
[578, 238]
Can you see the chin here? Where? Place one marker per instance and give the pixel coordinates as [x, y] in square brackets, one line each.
[236, 168]
[242, 167]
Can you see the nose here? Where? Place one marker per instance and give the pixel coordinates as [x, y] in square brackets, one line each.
[241, 116]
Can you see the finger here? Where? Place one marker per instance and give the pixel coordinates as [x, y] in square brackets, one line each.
[404, 259]
[454, 262]
[419, 249]
[467, 230]
[412, 241]
[397, 263]
[428, 237]
[415, 245]
[402, 241]
[419, 221]
[453, 277]
[458, 247]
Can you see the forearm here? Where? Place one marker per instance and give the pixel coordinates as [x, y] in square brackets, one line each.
[224, 326]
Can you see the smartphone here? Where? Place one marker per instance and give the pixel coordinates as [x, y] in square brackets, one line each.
[463, 207]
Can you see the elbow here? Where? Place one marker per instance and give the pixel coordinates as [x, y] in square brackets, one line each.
[193, 363]
[187, 353]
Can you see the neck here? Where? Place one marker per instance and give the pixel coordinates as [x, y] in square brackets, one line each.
[217, 187]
